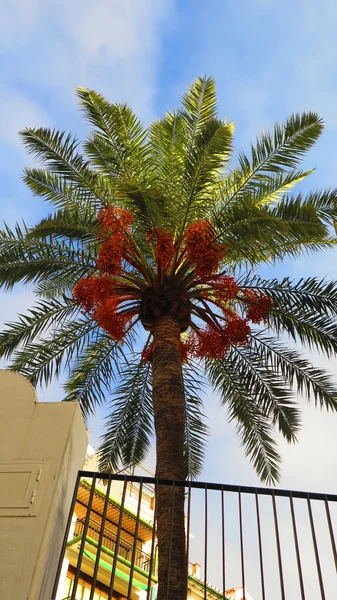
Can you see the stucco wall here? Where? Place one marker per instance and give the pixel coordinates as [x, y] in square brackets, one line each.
[42, 446]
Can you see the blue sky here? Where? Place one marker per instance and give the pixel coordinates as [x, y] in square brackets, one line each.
[268, 61]
[269, 57]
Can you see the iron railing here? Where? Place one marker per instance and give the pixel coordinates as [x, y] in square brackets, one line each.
[276, 544]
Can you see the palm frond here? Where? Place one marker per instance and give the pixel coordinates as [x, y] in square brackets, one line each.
[310, 295]
[24, 260]
[207, 147]
[273, 188]
[45, 359]
[166, 147]
[296, 212]
[118, 145]
[37, 321]
[208, 155]
[129, 426]
[199, 106]
[269, 388]
[57, 190]
[324, 203]
[313, 331]
[58, 152]
[94, 371]
[196, 430]
[69, 224]
[309, 380]
[253, 426]
[263, 234]
[277, 151]
[252, 234]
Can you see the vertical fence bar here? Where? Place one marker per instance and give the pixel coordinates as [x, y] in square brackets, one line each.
[241, 546]
[188, 525]
[135, 540]
[332, 537]
[260, 545]
[84, 535]
[118, 537]
[223, 543]
[298, 556]
[279, 555]
[100, 539]
[65, 539]
[152, 555]
[206, 541]
[170, 541]
[314, 540]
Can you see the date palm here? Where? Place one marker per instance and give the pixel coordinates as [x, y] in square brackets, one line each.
[147, 285]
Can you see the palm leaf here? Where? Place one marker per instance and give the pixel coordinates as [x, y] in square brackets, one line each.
[252, 424]
[273, 189]
[126, 440]
[196, 430]
[199, 105]
[118, 145]
[45, 359]
[39, 319]
[69, 224]
[313, 331]
[309, 380]
[310, 295]
[55, 188]
[269, 389]
[94, 371]
[24, 260]
[57, 151]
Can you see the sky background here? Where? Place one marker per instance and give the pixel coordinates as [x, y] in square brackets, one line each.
[269, 57]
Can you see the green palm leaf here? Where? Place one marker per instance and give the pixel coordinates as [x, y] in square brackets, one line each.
[311, 295]
[196, 431]
[58, 152]
[25, 260]
[130, 423]
[274, 152]
[45, 359]
[93, 372]
[117, 146]
[309, 380]
[57, 190]
[40, 318]
[68, 224]
[253, 426]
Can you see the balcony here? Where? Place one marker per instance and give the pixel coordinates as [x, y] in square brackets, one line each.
[109, 541]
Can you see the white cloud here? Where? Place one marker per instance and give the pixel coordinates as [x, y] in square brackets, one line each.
[19, 20]
[110, 45]
[18, 111]
[110, 26]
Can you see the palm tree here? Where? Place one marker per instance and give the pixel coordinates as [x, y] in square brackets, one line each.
[152, 231]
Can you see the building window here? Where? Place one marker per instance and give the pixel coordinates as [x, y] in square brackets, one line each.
[82, 592]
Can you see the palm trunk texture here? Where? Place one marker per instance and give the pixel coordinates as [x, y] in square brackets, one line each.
[169, 421]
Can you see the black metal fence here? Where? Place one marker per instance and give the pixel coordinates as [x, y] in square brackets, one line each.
[274, 544]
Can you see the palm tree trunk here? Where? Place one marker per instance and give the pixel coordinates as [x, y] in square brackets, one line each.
[169, 421]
